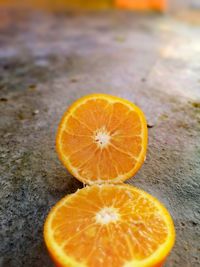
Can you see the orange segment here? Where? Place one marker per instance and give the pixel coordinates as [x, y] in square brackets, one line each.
[108, 225]
[102, 138]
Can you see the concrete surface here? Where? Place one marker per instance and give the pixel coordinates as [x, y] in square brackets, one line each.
[49, 60]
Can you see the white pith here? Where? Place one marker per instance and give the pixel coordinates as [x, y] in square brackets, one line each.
[102, 137]
[107, 215]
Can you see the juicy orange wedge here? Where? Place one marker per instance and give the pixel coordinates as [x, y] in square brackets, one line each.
[102, 138]
[109, 226]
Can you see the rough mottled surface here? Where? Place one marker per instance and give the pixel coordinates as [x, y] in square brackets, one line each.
[49, 60]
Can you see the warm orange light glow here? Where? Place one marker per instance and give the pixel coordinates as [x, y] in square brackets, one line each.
[142, 4]
[87, 4]
[59, 4]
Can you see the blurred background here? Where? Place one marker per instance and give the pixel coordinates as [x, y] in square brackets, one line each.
[102, 4]
[55, 51]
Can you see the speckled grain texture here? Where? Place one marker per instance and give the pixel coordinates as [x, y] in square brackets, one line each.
[49, 60]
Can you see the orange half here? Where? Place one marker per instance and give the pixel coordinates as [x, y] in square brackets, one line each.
[108, 225]
[102, 139]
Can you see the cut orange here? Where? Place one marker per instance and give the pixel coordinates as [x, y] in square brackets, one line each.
[102, 138]
[109, 226]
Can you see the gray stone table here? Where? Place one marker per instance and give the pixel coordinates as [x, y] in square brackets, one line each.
[49, 60]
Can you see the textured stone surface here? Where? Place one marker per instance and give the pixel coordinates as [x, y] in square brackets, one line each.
[46, 62]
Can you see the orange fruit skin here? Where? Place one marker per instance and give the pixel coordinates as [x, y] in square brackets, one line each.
[57, 264]
[161, 264]
[113, 195]
[144, 137]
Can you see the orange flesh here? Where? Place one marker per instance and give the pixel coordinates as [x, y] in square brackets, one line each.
[102, 139]
[107, 225]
